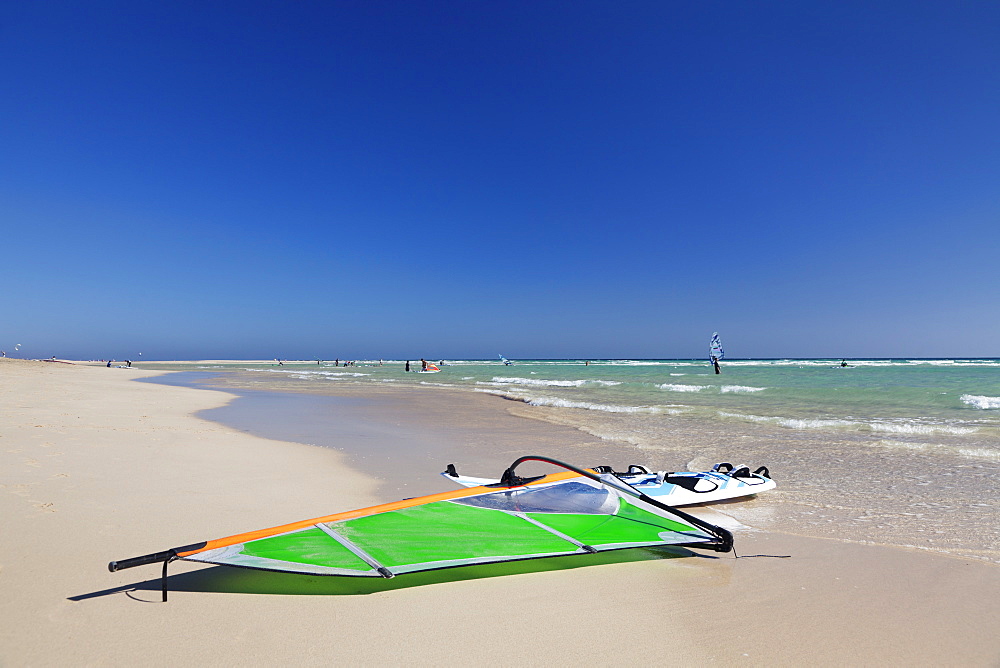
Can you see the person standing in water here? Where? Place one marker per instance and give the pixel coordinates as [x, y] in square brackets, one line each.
[715, 363]
[407, 366]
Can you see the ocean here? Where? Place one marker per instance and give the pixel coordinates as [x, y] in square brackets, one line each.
[901, 452]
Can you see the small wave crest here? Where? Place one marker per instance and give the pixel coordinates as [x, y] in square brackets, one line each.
[677, 387]
[607, 408]
[540, 382]
[793, 423]
[883, 426]
[558, 402]
[725, 389]
[984, 403]
[916, 428]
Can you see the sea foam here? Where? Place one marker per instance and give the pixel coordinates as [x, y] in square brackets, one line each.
[539, 382]
[917, 428]
[793, 423]
[900, 427]
[676, 387]
[558, 402]
[981, 402]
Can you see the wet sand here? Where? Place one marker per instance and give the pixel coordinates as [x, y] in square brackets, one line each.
[95, 467]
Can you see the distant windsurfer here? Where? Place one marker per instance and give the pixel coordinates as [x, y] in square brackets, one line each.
[843, 362]
[423, 364]
[715, 363]
[407, 366]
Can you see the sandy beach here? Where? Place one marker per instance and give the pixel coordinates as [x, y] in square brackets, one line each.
[95, 467]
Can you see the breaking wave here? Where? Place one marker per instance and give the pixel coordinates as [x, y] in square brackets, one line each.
[984, 403]
[916, 428]
[557, 402]
[900, 427]
[740, 389]
[725, 389]
[677, 387]
[538, 382]
[792, 423]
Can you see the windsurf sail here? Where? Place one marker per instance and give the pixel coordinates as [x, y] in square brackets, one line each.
[505, 361]
[715, 351]
[574, 512]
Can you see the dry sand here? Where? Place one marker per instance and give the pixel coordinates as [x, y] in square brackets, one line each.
[94, 467]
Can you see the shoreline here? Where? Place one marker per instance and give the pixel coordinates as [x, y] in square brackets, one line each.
[579, 439]
[140, 473]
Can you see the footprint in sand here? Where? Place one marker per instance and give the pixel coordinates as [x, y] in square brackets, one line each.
[47, 507]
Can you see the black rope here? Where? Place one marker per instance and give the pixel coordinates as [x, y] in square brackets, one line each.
[772, 556]
[751, 556]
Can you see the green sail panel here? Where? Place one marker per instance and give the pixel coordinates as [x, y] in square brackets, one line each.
[449, 534]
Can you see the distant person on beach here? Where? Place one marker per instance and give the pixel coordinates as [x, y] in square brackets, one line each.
[407, 365]
[109, 364]
[128, 363]
[715, 363]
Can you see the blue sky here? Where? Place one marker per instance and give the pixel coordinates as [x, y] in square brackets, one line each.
[458, 179]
